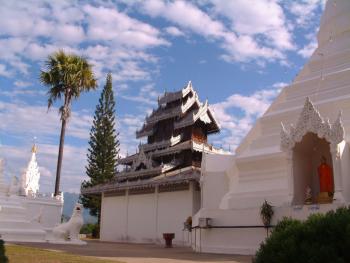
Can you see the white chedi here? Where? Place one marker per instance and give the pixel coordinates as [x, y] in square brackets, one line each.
[31, 177]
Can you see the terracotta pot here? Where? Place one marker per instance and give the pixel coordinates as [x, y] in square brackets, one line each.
[168, 237]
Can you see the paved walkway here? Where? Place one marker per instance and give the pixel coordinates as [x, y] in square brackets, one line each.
[141, 253]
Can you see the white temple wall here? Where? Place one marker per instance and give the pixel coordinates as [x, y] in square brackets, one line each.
[113, 218]
[215, 180]
[173, 210]
[215, 186]
[143, 218]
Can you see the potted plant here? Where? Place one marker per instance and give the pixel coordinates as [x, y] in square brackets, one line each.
[188, 224]
[266, 213]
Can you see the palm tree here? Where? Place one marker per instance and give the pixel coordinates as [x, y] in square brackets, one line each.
[66, 76]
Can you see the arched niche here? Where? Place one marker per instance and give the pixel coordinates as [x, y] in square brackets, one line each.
[299, 141]
[306, 159]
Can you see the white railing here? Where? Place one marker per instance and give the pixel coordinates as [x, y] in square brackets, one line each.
[162, 144]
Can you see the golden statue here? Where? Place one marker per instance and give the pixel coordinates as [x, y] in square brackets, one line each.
[326, 182]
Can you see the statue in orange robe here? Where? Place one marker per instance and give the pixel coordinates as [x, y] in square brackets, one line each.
[325, 176]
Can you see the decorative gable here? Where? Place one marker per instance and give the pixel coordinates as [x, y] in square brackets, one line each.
[310, 120]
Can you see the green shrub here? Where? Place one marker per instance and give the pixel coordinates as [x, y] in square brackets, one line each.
[96, 231]
[3, 258]
[87, 229]
[91, 229]
[319, 239]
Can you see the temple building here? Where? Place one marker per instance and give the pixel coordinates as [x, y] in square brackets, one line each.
[296, 156]
[158, 188]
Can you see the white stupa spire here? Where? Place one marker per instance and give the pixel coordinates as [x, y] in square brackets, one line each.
[31, 177]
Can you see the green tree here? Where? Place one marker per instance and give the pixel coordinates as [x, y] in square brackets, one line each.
[3, 257]
[104, 148]
[66, 76]
[322, 238]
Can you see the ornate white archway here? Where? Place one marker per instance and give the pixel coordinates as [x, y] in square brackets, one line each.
[310, 120]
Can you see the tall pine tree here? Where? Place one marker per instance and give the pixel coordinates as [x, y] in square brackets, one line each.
[104, 148]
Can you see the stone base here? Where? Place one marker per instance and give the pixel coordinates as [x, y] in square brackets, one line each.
[244, 241]
[19, 218]
[324, 198]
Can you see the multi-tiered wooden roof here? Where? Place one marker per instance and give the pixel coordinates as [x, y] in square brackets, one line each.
[176, 138]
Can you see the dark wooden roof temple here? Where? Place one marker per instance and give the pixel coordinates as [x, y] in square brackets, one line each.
[177, 135]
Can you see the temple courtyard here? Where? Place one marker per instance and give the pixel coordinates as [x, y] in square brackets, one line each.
[138, 253]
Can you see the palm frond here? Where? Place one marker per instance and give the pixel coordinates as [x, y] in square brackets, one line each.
[66, 76]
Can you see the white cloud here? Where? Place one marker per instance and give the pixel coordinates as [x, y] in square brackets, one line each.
[280, 85]
[27, 121]
[147, 95]
[20, 91]
[4, 71]
[22, 84]
[67, 33]
[111, 39]
[185, 15]
[238, 45]
[264, 17]
[110, 25]
[308, 49]
[174, 31]
[238, 113]
[304, 10]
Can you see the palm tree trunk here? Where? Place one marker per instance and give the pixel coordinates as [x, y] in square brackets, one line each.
[60, 157]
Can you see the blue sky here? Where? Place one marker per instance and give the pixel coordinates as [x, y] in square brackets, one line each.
[238, 55]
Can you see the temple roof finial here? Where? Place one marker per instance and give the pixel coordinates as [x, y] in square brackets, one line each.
[34, 147]
[189, 84]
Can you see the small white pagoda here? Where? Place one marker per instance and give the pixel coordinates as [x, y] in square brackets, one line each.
[25, 214]
[296, 156]
[31, 177]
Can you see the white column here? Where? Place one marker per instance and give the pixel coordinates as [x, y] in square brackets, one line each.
[338, 184]
[290, 175]
[103, 213]
[201, 188]
[127, 214]
[156, 197]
